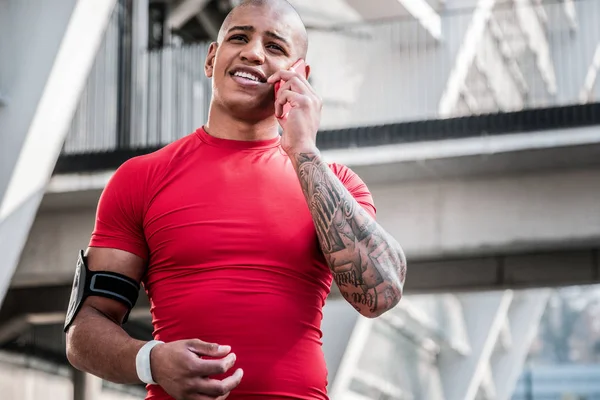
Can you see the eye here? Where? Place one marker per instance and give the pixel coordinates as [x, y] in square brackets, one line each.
[238, 38]
[276, 47]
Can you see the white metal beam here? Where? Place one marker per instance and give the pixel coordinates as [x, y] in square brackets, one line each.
[525, 315]
[571, 13]
[383, 386]
[488, 388]
[426, 15]
[348, 365]
[183, 12]
[506, 339]
[534, 31]
[508, 56]
[466, 56]
[591, 77]
[209, 24]
[484, 316]
[46, 132]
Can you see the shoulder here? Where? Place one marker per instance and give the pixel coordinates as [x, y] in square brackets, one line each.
[356, 186]
[345, 174]
[152, 166]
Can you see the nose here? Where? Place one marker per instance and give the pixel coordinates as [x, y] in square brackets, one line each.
[253, 52]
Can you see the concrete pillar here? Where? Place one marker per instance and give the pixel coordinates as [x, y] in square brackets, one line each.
[86, 386]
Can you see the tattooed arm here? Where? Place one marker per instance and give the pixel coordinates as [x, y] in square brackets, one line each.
[368, 265]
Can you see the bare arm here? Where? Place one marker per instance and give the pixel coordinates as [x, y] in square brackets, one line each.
[368, 265]
[96, 342]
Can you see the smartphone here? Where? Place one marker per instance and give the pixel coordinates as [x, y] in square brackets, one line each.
[300, 67]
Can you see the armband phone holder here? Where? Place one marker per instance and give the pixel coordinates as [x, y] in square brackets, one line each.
[107, 284]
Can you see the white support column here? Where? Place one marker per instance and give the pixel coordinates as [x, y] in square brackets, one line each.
[139, 67]
[42, 109]
[485, 313]
[524, 316]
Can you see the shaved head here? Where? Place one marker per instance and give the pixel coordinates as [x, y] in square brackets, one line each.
[284, 10]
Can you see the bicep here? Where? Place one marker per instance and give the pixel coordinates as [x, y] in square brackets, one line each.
[117, 261]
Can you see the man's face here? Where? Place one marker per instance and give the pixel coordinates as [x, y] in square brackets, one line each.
[258, 42]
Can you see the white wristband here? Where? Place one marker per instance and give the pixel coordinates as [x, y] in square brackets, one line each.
[142, 362]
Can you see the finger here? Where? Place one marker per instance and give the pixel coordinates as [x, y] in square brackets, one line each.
[208, 349]
[279, 75]
[216, 387]
[214, 367]
[297, 85]
[287, 96]
[278, 108]
[286, 75]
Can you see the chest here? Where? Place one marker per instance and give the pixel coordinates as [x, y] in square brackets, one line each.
[239, 211]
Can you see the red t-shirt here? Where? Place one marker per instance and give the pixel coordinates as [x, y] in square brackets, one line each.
[233, 256]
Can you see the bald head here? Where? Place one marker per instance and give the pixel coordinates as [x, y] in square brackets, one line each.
[282, 8]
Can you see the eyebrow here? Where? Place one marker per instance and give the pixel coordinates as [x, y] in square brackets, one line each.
[249, 28]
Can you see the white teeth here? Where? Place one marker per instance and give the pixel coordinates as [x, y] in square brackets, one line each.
[247, 76]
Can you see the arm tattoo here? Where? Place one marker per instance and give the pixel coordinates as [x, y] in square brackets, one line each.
[368, 265]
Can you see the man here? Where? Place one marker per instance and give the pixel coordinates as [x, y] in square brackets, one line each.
[236, 233]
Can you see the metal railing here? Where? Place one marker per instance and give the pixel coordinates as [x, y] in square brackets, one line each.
[496, 57]
[177, 94]
[95, 123]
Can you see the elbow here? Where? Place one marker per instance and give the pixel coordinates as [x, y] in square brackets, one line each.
[372, 314]
[72, 352]
[382, 308]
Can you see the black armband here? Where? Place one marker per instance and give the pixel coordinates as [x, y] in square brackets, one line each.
[99, 283]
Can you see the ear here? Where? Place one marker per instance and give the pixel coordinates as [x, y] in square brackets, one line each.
[307, 71]
[209, 64]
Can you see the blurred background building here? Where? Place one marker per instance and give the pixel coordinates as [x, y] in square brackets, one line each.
[475, 124]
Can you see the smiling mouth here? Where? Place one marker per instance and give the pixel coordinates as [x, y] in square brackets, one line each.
[247, 76]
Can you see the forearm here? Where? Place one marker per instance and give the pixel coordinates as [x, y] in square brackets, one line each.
[367, 264]
[97, 345]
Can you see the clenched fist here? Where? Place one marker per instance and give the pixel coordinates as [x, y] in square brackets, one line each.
[179, 368]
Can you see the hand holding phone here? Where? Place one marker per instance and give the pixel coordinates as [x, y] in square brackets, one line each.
[299, 133]
[300, 67]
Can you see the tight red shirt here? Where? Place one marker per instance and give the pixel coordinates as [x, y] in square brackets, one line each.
[233, 256]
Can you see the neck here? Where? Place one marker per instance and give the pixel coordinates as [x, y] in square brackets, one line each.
[223, 125]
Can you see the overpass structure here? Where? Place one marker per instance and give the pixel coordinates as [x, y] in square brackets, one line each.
[474, 124]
